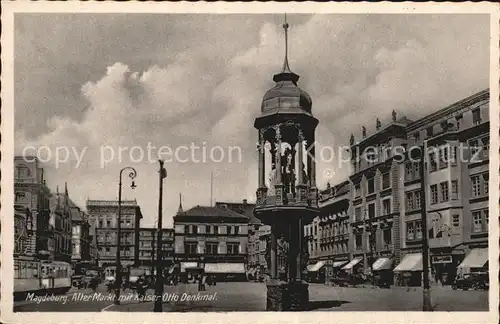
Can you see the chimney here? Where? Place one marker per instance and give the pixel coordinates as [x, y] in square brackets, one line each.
[245, 201]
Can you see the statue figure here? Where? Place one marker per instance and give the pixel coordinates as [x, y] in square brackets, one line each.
[378, 124]
[393, 115]
[289, 172]
[352, 139]
[304, 174]
[272, 181]
[364, 131]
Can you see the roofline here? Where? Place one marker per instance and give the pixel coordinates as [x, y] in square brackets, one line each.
[481, 95]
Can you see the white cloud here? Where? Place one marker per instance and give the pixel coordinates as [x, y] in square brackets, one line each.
[354, 69]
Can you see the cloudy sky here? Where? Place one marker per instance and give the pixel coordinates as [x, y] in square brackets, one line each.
[122, 80]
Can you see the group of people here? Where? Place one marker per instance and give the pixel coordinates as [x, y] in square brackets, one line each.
[204, 280]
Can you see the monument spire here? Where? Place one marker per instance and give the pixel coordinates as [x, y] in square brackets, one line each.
[286, 67]
[286, 74]
[180, 210]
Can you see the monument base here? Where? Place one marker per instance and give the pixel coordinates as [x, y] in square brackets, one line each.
[283, 296]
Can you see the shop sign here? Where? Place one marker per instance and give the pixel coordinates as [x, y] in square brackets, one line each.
[442, 259]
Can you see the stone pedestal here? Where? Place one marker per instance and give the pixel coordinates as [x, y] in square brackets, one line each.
[282, 296]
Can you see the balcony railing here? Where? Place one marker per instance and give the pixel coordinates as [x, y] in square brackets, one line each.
[303, 195]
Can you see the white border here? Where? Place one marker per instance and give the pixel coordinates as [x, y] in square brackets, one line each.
[7, 128]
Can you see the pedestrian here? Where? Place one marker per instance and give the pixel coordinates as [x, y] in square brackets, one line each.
[141, 288]
[203, 282]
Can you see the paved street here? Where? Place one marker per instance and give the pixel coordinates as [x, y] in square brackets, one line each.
[251, 297]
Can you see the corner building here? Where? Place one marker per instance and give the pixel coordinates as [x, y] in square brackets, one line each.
[212, 240]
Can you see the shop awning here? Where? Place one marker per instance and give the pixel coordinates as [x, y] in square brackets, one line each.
[352, 263]
[410, 262]
[382, 264]
[187, 265]
[315, 267]
[337, 264]
[224, 268]
[476, 258]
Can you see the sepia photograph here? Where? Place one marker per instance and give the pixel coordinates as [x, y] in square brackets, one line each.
[249, 162]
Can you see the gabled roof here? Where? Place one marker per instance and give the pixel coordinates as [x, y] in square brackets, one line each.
[207, 211]
[241, 208]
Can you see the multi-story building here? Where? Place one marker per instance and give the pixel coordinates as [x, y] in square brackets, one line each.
[81, 239]
[254, 264]
[104, 215]
[456, 187]
[332, 233]
[32, 201]
[148, 247]
[211, 238]
[375, 196]
[60, 217]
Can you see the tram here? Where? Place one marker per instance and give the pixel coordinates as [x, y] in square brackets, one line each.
[41, 277]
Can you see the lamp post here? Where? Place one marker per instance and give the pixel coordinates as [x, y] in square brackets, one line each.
[158, 307]
[426, 294]
[118, 271]
[153, 246]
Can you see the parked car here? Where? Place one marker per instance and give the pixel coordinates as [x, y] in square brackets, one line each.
[475, 280]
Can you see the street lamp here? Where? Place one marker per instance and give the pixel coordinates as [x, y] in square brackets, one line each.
[426, 294]
[153, 248]
[159, 273]
[118, 274]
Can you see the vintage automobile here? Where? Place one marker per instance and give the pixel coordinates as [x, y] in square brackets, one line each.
[474, 280]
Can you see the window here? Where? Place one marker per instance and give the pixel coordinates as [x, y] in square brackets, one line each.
[190, 248]
[445, 191]
[453, 155]
[386, 180]
[418, 230]
[409, 201]
[432, 162]
[236, 230]
[476, 186]
[187, 229]
[357, 190]
[410, 231]
[443, 161]
[474, 148]
[485, 147]
[434, 194]
[455, 220]
[371, 211]
[100, 223]
[108, 223]
[387, 235]
[359, 241]
[386, 206]
[212, 248]
[476, 116]
[416, 170]
[408, 171]
[486, 178]
[357, 214]
[430, 131]
[233, 248]
[229, 230]
[216, 229]
[371, 185]
[454, 189]
[416, 195]
[20, 196]
[477, 218]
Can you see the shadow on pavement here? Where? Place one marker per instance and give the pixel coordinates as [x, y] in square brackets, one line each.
[322, 304]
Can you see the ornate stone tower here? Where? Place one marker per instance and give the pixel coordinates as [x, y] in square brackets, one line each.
[289, 198]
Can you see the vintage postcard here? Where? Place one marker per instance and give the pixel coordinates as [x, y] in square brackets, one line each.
[236, 162]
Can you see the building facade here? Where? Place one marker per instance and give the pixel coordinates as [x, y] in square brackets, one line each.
[60, 216]
[148, 247]
[32, 205]
[332, 233]
[457, 181]
[81, 239]
[103, 214]
[213, 239]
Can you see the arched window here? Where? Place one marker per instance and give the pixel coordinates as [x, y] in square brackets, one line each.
[20, 196]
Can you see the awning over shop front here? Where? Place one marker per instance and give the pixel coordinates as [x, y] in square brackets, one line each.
[187, 265]
[337, 264]
[410, 262]
[224, 268]
[382, 264]
[476, 258]
[352, 263]
[315, 267]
